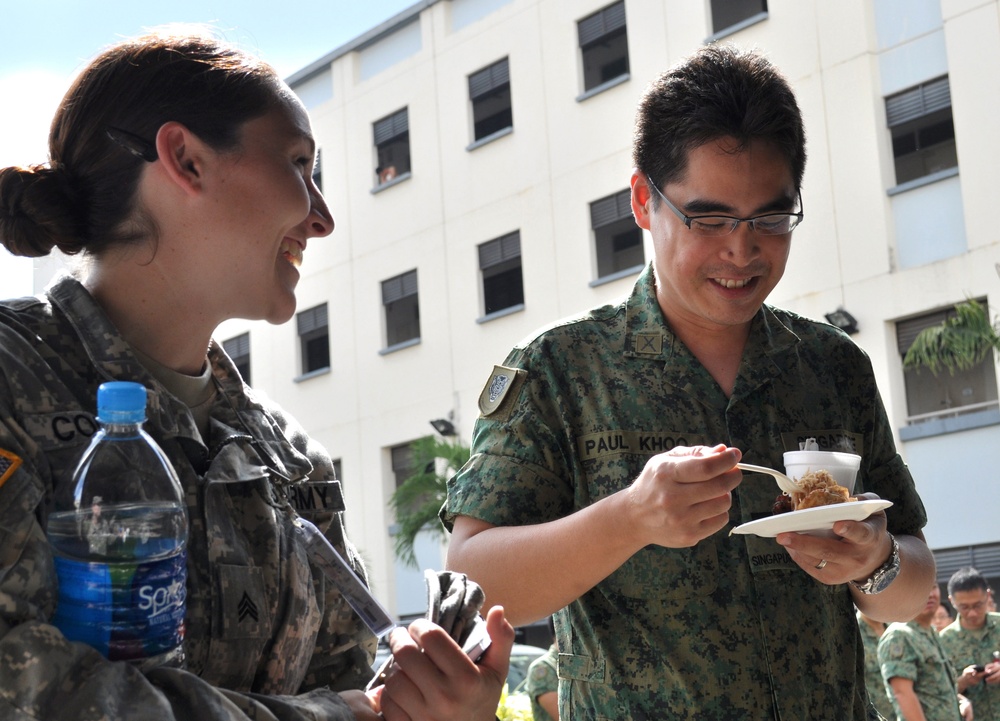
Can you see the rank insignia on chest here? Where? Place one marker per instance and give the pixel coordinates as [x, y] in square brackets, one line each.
[8, 464]
[497, 398]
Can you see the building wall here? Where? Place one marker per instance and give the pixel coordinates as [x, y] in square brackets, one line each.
[565, 152]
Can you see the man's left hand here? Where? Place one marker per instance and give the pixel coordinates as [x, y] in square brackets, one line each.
[851, 553]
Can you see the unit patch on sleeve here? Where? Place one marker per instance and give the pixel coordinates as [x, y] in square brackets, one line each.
[8, 464]
[497, 398]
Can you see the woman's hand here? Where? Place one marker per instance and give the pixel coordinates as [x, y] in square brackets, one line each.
[434, 680]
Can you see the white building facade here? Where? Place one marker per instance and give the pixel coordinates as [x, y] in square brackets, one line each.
[476, 156]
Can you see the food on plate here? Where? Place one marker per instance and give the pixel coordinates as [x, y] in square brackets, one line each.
[818, 489]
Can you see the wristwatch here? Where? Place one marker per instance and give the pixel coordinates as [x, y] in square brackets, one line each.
[883, 575]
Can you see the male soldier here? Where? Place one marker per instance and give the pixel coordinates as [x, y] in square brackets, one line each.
[660, 613]
[871, 632]
[917, 674]
[972, 642]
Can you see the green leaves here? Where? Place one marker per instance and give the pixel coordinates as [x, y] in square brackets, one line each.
[959, 343]
[419, 498]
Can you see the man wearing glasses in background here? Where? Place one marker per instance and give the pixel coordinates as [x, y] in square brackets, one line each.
[972, 642]
[602, 484]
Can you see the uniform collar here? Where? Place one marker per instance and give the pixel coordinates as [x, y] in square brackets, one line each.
[769, 350]
[236, 414]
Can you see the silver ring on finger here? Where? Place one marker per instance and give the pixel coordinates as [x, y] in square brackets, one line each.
[821, 565]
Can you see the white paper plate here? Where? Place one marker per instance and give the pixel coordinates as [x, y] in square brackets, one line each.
[820, 518]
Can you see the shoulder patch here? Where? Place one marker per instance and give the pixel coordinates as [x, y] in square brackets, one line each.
[503, 387]
[8, 464]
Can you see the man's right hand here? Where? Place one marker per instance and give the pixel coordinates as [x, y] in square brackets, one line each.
[970, 677]
[684, 495]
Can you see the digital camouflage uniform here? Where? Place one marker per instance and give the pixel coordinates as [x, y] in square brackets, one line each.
[970, 647]
[873, 672]
[262, 622]
[730, 628]
[909, 650]
[542, 678]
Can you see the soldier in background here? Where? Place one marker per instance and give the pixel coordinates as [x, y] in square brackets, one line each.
[973, 642]
[181, 168]
[916, 671]
[660, 612]
[871, 632]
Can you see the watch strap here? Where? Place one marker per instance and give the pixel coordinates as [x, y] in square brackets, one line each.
[883, 575]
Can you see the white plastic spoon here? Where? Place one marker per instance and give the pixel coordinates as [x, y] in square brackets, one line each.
[784, 482]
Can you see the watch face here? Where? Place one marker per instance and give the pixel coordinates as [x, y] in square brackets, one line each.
[887, 574]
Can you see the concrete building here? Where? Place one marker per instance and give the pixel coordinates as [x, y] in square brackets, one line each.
[476, 155]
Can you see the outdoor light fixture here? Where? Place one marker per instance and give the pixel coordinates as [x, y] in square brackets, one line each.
[843, 320]
[443, 426]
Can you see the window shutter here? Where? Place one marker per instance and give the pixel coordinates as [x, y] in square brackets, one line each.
[237, 347]
[605, 22]
[918, 102]
[391, 127]
[908, 330]
[502, 249]
[312, 319]
[611, 209]
[489, 79]
[985, 559]
[399, 287]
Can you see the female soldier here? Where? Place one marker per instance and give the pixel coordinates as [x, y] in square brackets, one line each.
[181, 168]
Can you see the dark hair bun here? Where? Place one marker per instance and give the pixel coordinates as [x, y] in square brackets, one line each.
[38, 211]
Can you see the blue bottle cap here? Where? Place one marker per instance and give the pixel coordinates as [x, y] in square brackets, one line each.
[121, 402]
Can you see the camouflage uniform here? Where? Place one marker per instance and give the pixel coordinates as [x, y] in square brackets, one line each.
[909, 650]
[730, 628]
[262, 622]
[969, 647]
[542, 678]
[873, 672]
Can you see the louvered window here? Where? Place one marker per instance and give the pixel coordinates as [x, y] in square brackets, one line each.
[314, 338]
[603, 46]
[500, 263]
[918, 102]
[727, 13]
[402, 311]
[238, 349]
[617, 239]
[489, 91]
[923, 135]
[930, 396]
[984, 558]
[392, 146]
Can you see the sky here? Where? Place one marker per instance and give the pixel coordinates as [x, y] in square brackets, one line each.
[45, 43]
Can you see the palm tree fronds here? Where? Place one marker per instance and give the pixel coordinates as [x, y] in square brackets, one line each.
[420, 496]
[959, 343]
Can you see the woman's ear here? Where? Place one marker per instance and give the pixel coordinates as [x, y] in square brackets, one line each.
[182, 156]
[641, 200]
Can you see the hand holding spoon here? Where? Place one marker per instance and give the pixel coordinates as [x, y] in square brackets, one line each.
[785, 483]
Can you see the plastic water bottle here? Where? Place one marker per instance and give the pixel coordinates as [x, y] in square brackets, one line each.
[120, 549]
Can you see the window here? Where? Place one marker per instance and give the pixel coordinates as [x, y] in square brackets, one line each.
[617, 239]
[923, 137]
[238, 349]
[392, 146]
[318, 170]
[930, 396]
[500, 263]
[603, 46]
[314, 339]
[402, 463]
[727, 13]
[402, 311]
[489, 90]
